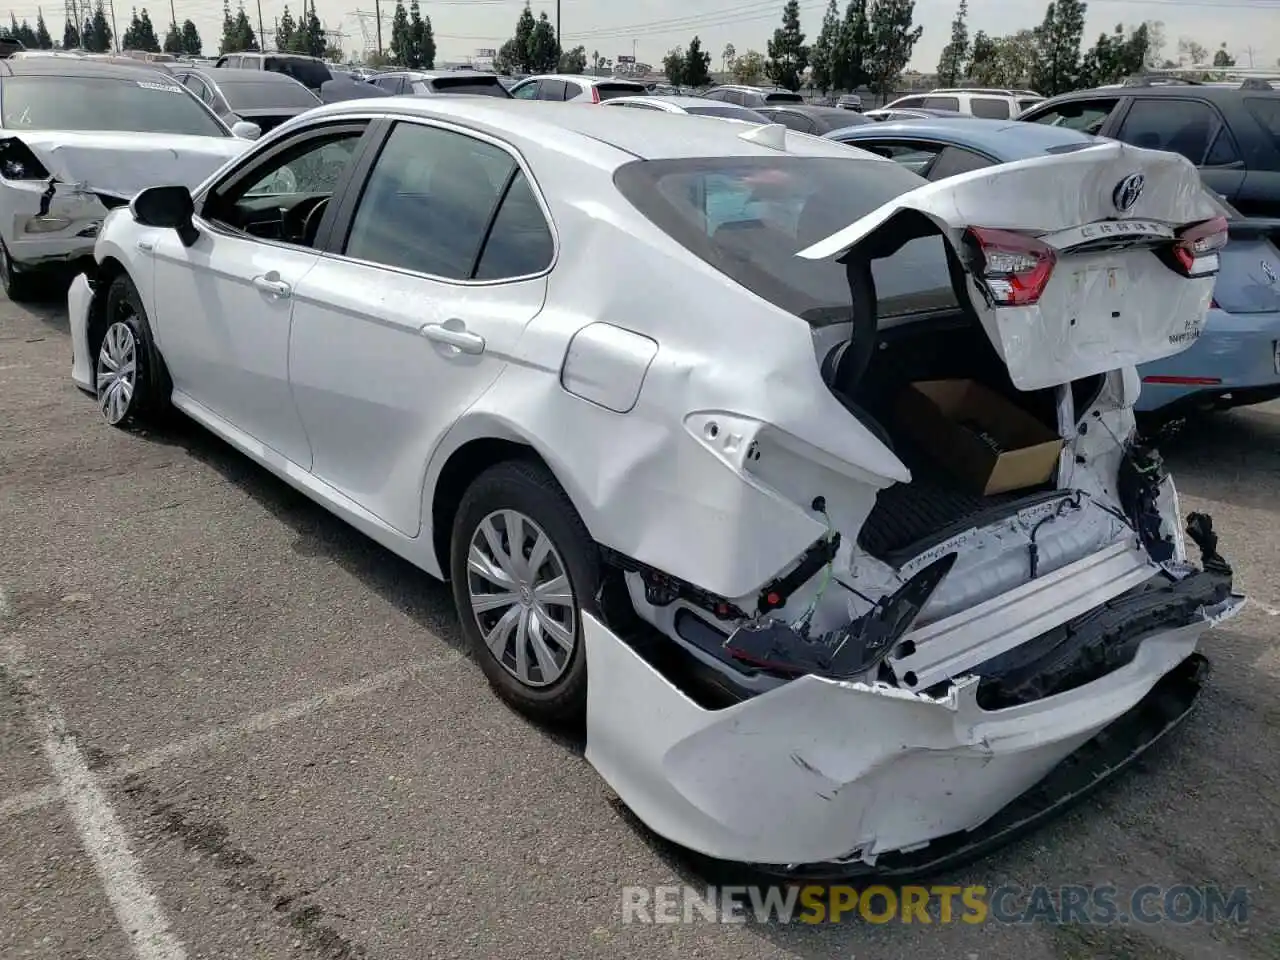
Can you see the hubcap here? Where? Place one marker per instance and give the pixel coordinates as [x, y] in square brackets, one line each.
[521, 597]
[117, 371]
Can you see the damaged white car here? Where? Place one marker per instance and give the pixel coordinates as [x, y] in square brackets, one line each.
[80, 136]
[847, 568]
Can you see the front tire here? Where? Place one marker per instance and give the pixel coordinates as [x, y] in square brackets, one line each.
[128, 375]
[523, 567]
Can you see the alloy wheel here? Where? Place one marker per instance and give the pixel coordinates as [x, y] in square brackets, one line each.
[521, 597]
[117, 371]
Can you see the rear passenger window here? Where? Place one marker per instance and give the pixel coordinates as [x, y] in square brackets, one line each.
[551, 90]
[1087, 116]
[1266, 110]
[906, 103]
[954, 160]
[942, 103]
[793, 121]
[571, 90]
[1179, 126]
[520, 243]
[990, 108]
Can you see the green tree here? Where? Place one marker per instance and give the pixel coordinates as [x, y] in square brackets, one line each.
[229, 42]
[423, 36]
[130, 32]
[1115, 56]
[697, 65]
[956, 53]
[286, 27]
[1223, 58]
[70, 36]
[401, 45]
[788, 56]
[245, 37]
[23, 32]
[508, 58]
[1191, 53]
[308, 37]
[173, 39]
[98, 36]
[523, 39]
[727, 57]
[43, 40]
[748, 68]
[1058, 48]
[544, 49]
[673, 66]
[574, 61]
[192, 45]
[853, 52]
[893, 37]
[822, 56]
[146, 38]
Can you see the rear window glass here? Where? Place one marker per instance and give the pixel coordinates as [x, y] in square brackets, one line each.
[258, 95]
[608, 91]
[783, 97]
[309, 73]
[990, 108]
[148, 105]
[726, 110]
[941, 103]
[1266, 110]
[482, 86]
[749, 216]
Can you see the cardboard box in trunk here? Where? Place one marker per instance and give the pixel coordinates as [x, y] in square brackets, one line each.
[990, 445]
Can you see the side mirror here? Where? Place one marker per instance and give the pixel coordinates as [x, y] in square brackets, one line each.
[168, 207]
[246, 130]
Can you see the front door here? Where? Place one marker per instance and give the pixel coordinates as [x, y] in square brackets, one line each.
[225, 303]
[438, 269]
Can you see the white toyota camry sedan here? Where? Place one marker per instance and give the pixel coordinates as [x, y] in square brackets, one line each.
[812, 487]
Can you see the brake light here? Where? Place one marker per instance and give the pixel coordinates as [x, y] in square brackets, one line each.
[1213, 304]
[595, 94]
[1195, 252]
[1013, 267]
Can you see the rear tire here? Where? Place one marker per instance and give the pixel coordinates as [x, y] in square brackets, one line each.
[523, 568]
[18, 287]
[129, 377]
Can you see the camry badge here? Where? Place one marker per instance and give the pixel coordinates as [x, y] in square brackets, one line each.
[1127, 191]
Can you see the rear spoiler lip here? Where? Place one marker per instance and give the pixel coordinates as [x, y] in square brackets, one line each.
[1251, 228]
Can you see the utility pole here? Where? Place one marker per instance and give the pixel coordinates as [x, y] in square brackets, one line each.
[173, 16]
[557, 23]
[262, 37]
[115, 34]
[1250, 52]
[377, 16]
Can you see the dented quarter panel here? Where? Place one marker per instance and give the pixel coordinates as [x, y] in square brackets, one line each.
[1099, 311]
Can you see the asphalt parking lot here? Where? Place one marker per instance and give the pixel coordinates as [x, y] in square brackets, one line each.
[230, 727]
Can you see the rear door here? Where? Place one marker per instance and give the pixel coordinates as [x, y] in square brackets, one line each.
[1259, 128]
[430, 275]
[1077, 280]
[1191, 127]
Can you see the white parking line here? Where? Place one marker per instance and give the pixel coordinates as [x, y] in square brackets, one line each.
[256, 723]
[136, 908]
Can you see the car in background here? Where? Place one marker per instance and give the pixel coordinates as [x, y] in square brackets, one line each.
[849, 101]
[693, 106]
[261, 97]
[619, 385]
[79, 137]
[429, 82]
[806, 118]
[577, 88]
[989, 103]
[749, 96]
[9, 46]
[311, 72]
[1231, 132]
[1235, 357]
[915, 113]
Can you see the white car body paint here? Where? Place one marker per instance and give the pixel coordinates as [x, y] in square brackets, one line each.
[689, 423]
[85, 166]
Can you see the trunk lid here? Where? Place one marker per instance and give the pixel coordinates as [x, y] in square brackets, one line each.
[1093, 231]
[122, 164]
[1249, 278]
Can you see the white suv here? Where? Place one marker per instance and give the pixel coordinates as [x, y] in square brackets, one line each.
[991, 104]
[576, 87]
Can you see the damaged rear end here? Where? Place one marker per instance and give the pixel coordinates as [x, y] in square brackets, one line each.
[938, 669]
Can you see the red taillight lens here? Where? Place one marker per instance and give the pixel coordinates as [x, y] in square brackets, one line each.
[1014, 267]
[1195, 252]
[1213, 304]
[595, 94]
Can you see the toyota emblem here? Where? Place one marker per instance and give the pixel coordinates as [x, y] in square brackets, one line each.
[1128, 191]
[1269, 273]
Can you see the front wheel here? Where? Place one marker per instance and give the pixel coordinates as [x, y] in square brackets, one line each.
[523, 567]
[128, 374]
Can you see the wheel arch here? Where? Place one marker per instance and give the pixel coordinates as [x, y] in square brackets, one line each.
[105, 274]
[473, 446]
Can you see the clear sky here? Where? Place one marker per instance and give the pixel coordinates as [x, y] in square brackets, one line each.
[652, 27]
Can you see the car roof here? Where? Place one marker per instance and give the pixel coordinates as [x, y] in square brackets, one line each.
[437, 74]
[582, 78]
[1006, 140]
[569, 129]
[233, 75]
[1205, 91]
[806, 109]
[677, 100]
[83, 67]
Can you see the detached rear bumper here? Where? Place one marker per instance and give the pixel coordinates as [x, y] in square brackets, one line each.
[842, 774]
[79, 300]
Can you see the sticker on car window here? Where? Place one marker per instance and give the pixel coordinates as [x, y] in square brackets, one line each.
[166, 87]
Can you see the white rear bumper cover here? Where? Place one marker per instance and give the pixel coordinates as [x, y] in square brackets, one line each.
[818, 770]
[79, 297]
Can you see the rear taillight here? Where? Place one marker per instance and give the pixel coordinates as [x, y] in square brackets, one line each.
[1013, 267]
[1195, 251]
[595, 94]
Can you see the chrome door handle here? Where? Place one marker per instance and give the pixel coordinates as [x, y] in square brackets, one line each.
[146, 246]
[272, 286]
[463, 340]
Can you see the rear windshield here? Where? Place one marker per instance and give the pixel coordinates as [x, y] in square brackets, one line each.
[989, 108]
[608, 91]
[257, 95]
[749, 216]
[1266, 110]
[726, 110]
[100, 103]
[481, 86]
[309, 73]
[783, 97]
